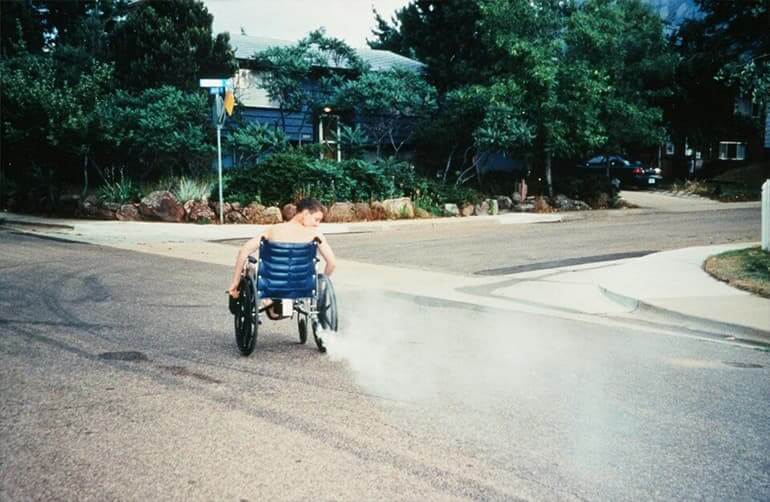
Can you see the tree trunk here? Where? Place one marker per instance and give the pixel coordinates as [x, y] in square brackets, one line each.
[85, 176]
[548, 178]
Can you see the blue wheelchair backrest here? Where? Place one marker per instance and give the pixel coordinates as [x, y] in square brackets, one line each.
[287, 269]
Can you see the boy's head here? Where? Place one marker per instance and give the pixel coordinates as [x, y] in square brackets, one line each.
[310, 212]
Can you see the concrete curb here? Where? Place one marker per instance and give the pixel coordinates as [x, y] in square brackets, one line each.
[688, 320]
[6, 221]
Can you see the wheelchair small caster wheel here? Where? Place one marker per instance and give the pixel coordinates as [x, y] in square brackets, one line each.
[302, 326]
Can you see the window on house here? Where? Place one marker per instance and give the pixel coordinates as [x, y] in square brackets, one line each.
[732, 150]
[328, 134]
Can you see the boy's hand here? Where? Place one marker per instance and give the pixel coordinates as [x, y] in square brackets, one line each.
[233, 290]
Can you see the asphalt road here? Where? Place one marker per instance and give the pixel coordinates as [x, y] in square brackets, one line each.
[416, 400]
[471, 247]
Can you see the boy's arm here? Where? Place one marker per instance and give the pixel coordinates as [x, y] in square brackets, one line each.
[328, 255]
[248, 248]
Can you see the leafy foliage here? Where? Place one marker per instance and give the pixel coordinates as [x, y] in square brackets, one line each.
[118, 189]
[170, 43]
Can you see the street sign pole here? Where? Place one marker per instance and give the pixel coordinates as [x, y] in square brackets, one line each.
[219, 165]
[216, 86]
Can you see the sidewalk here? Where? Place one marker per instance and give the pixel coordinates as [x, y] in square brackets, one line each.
[117, 232]
[670, 285]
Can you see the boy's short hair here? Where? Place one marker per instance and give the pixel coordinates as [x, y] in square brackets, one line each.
[312, 205]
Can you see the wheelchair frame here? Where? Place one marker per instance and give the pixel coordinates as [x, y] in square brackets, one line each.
[317, 312]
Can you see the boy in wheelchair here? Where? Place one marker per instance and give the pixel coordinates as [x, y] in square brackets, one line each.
[302, 228]
[284, 279]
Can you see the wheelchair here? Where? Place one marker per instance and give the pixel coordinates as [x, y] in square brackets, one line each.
[285, 273]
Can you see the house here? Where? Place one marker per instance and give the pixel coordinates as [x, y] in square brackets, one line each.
[300, 126]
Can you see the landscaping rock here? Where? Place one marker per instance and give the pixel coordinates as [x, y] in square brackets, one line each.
[235, 206]
[104, 213]
[341, 212]
[235, 217]
[89, 207]
[252, 212]
[451, 210]
[128, 212]
[161, 205]
[467, 210]
[288, 211]
[362, 210]
[516, 198]
[377, 211]
[564, 203]
[482, 208]
[199, 212]
[399, 208]
[422, 213]
[270, 216]
[524, 208]
[504, 203]
[215, 207]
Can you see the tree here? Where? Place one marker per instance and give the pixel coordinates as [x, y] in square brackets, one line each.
[387, 105]
[444, 35]
[48, 126]
[170, 43]
[305, 77]
[723, 55]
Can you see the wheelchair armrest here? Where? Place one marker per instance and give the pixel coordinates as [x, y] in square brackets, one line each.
[252, 259]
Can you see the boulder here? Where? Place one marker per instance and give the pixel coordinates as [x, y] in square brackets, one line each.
[524, 208]
[362, 210]
[128, 212]
[226, 208]
[378, 211]
[341, 212]
[235, 206]
[104, 213]
[482, 208]
[516, 198]
[252, 212]
[89, 207]
[199, 212]
[467, 210]
[422, 213]
[504, 203]
[270, 216]
[162, 205]
[399, 208]
[288, 211]
[451, 210]
[235, 217]
[564, 203]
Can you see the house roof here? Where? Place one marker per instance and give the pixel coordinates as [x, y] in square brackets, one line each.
[246, 46]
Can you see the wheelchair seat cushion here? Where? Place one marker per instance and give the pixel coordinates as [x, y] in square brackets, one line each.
[286, 270]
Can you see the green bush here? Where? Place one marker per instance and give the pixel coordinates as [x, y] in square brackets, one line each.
[118, 189]
[191, 189]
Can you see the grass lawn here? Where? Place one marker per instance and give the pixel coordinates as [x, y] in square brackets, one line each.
[747, 269]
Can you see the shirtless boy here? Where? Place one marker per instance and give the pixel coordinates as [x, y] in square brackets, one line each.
[303, 227]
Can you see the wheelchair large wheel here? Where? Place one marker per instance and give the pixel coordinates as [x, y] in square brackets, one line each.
[327, 311]
[246, 318]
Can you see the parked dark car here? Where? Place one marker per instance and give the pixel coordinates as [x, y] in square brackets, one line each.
[623, 172]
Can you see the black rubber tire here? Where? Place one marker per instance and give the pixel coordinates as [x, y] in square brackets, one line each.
[327, 311]
[302, 326]
[327, 305]
[246, 319]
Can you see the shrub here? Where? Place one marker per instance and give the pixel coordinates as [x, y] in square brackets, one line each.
[118, 189]
[191, 189]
